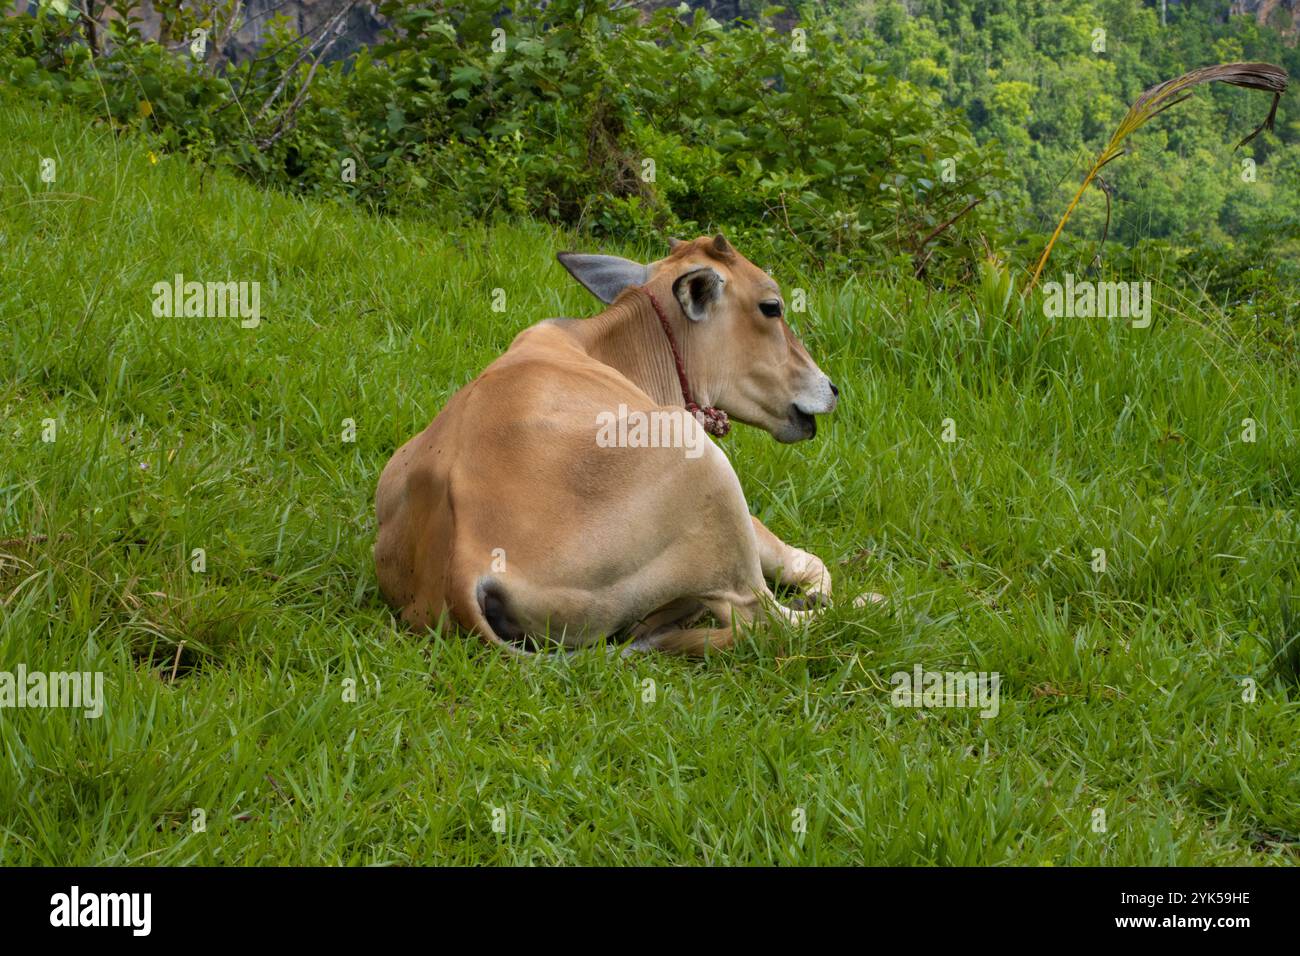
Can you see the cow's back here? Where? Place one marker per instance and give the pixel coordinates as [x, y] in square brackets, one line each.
[510, 475]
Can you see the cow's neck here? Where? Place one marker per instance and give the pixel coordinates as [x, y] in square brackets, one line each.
[629, 337]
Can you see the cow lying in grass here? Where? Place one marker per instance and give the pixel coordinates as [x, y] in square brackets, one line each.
[548, 502]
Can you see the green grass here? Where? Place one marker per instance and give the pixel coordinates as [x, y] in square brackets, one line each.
[1121, 691]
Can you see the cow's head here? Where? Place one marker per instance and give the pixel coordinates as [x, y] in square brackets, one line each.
[740, 354]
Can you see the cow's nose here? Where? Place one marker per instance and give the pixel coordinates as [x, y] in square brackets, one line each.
[834, 390]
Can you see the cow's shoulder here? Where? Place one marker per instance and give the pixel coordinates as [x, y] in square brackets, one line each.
[546, 370]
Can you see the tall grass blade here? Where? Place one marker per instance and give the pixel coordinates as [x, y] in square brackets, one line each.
[1253, 76]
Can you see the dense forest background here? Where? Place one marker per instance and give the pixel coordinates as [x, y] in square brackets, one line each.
[925, 136]
[1025, 75]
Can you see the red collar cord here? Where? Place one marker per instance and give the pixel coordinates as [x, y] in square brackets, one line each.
[714, 420]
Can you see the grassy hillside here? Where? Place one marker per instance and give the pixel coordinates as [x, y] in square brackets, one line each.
[1122, 691]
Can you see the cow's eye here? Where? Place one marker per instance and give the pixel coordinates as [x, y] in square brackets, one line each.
[770, 309]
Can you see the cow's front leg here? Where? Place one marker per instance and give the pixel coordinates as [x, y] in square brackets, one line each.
[783, 564]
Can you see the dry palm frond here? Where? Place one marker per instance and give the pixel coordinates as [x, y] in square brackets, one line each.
[1254, 76]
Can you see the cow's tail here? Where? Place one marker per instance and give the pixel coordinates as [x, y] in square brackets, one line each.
[486, 611]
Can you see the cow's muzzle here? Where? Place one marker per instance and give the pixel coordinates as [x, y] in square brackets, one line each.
[800, 419]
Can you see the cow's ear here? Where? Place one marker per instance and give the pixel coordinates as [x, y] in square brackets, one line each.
[604, 276]
[698, 291]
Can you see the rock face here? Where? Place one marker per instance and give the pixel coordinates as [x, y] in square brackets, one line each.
[306, 17]
[1281, 15]
[363, 23]
[362, 26]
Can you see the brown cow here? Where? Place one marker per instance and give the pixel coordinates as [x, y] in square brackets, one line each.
[566, 493]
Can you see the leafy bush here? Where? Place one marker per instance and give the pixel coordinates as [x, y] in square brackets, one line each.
[577, 112]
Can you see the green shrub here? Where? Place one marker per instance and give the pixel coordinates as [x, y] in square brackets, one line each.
[575, 112]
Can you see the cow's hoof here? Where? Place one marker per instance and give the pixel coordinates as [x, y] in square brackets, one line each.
[871, 597]
[812, 601]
